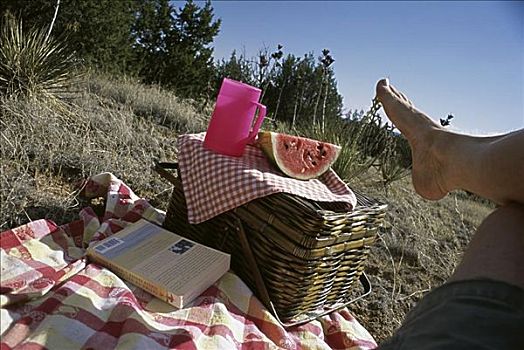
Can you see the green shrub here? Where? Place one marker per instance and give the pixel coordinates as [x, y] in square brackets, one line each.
[32, 65]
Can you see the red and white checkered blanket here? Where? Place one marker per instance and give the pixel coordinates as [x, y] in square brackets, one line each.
[214, 183]
[52, 298]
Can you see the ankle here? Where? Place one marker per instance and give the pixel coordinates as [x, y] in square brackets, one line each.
[447, 148]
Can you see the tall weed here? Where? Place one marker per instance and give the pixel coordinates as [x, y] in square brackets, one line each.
[366, 142]
[362, 141]
[395, 161]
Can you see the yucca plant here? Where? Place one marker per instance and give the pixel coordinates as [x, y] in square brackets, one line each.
[32, 65]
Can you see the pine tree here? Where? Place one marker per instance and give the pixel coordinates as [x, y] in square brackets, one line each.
[189, 68]
[154, 22]
[301, 89]
[98, 31]
[237, 67]
[150, 38]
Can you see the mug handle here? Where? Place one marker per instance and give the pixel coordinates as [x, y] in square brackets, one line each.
[258, 123]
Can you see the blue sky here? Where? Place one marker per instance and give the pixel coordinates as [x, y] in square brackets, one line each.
[465, 58]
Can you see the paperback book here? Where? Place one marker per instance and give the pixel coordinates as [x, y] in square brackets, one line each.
[171, 267]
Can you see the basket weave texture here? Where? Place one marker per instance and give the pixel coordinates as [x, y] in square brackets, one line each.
[308, 253]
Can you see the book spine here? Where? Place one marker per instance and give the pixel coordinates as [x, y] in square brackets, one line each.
[137, 280]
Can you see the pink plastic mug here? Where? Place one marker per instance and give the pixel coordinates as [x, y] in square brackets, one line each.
[231, 126]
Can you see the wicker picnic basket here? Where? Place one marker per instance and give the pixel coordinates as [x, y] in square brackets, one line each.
[299, 256]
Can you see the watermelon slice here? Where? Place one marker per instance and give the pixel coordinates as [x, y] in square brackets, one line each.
[298, 157]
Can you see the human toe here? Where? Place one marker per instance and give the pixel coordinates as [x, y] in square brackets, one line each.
[383, 89]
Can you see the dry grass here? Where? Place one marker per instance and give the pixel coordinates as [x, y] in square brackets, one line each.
[417, 250]
[50, 145]
[153, 103]
[122, 127]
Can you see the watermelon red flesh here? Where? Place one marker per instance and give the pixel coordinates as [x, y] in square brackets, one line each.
[298, 157]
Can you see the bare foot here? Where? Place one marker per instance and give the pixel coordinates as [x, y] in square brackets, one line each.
[428, 141]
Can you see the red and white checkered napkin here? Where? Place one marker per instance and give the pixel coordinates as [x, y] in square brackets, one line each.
[214, 183]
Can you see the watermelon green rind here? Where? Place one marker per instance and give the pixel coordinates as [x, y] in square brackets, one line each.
[271, 143]
[265, 141]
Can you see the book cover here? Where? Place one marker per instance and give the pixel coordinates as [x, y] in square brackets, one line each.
[171, 267]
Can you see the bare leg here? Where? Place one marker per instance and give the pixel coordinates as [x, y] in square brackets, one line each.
[492, 167]
[497, 248]
[477, 311]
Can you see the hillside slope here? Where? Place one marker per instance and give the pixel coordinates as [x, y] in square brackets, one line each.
[122, 127]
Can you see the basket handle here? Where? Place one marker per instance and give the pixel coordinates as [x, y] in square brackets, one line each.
[259, 281]
[161, 169]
